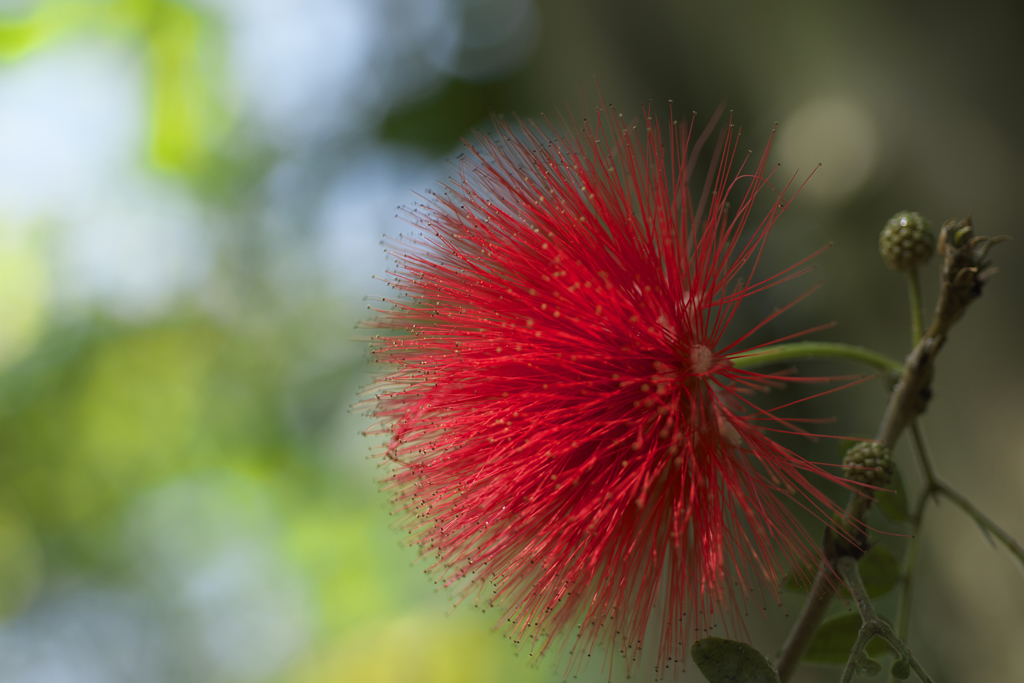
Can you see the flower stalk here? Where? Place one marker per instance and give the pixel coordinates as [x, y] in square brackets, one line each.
[781, 353]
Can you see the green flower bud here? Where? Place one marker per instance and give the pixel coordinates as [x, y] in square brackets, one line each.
[906, 241]
[868, 462]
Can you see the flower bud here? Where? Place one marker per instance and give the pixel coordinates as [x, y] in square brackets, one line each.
[906, 241]
[868, 462]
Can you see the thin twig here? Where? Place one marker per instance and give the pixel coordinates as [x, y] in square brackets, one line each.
[920, 450]
[864, 637]
[871, 625]
[935, 485]
[983, 521]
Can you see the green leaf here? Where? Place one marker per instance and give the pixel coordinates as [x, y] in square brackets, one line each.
[729, 661]
[835, 638]
[893, 505]
[867, 667]
[878, 569]
[900, 669]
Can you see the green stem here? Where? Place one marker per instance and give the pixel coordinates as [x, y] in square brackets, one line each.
[916, 311]
[780, 353]
[907, 575]
[917, 445]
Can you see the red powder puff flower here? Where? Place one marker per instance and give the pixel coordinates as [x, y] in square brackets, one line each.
[568, 436]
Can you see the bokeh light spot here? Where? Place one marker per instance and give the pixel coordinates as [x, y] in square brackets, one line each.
[838, 133]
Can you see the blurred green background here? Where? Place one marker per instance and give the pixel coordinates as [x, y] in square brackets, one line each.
[192, 196]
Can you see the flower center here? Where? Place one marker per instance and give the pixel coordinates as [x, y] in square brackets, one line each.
[701, 359]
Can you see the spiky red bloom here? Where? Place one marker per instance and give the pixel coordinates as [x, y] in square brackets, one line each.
[569, 437]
